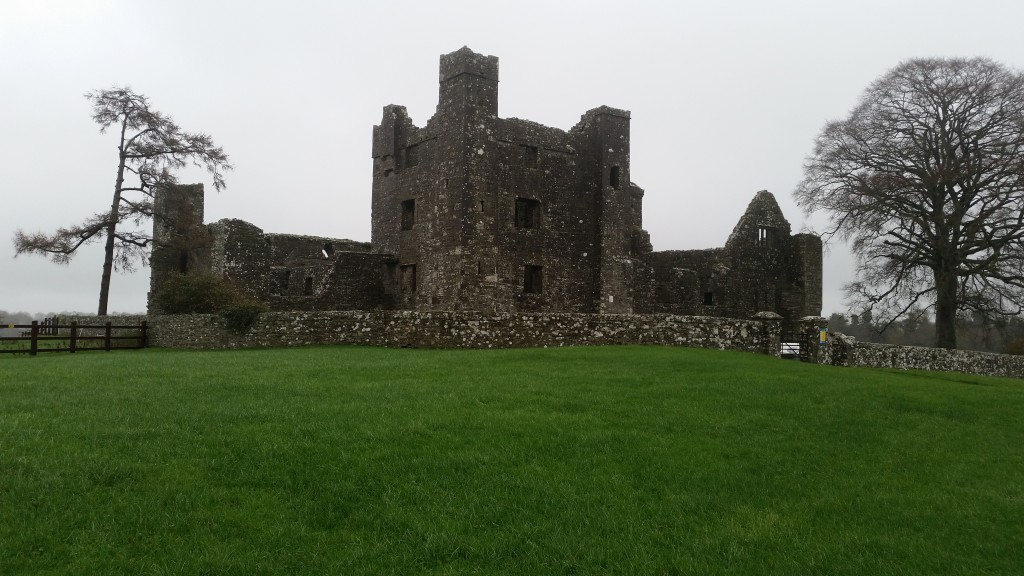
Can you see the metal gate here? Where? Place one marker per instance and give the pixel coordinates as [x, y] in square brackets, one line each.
[795, 346]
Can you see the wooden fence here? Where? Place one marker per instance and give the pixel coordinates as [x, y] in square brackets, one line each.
[50, 336]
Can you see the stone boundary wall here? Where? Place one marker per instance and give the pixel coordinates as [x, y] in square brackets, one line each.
[843, 350]
[133, 320]
[465, 330]
[524, 330]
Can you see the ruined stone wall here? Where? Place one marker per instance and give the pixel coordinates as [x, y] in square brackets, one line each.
[762, 267]
[470, 330]
[181, 243]
[348, 281]
[479, 213]
[427, 187]
[842, 350]
[755, 259]
[407, 170]
[465, 330]
[294, 272]
[603, 133]
[241, 255]
[802, 295]
[540, 220]
[683, 278]
[286, 248]
[318, 273]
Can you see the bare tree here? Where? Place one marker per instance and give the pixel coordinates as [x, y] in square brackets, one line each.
[151, 145]
[926, 179]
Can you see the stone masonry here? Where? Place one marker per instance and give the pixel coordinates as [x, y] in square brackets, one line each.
[473, 212]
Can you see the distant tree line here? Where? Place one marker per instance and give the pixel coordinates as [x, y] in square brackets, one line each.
[22, 318]
[27, 318]
[917, 328]
[19, 318]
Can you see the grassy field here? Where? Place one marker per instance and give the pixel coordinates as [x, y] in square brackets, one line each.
[619, 460]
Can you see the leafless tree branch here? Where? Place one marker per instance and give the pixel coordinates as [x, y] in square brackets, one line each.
[150, 147]
[925, 179]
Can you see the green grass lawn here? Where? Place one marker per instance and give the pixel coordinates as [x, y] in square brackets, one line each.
[617, 460]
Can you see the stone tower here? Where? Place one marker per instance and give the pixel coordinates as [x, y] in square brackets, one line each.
[180, 240]
[486, 213]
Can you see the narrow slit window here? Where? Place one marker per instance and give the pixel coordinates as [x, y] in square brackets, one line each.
[613, 178]
[533, 279]
[408, 214]
[527, 213]
[765, 237]
[307, 286]
[183, 262]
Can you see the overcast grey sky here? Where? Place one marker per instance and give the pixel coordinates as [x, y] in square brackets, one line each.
[726, 100]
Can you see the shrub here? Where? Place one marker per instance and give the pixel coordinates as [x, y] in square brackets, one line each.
[241, 315]
[1015, 346]
[194, 294]
[208, 294]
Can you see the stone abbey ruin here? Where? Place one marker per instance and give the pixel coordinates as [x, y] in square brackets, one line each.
[472, 212]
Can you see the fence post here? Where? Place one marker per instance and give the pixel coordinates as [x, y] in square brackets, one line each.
[106, 337]
[771, 332]
[73, 344]
[33, 345]
[810, 328]
[143, 339]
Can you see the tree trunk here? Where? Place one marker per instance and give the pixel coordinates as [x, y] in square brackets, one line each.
[108, 250]
[945, 308]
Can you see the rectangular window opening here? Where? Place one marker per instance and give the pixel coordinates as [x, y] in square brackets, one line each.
[408, 214]
[613, 178]
[307, 286]
[412, 156]
[527, 213]
[533, 279]
[280, 284]
[529, 154]
[765, 237]
[709, 298]
[408, 277]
